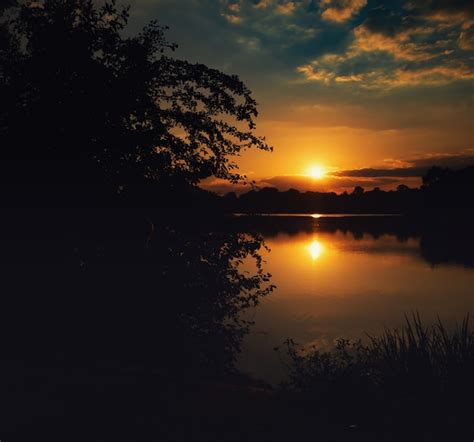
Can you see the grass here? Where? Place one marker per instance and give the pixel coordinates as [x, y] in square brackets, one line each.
[417, 379]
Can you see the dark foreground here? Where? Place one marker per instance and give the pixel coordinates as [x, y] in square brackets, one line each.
[129, 405]
[124, 327]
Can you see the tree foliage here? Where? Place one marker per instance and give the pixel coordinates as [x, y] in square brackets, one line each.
[117, 109]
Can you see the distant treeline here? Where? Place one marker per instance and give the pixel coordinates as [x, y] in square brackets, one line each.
[442, 188]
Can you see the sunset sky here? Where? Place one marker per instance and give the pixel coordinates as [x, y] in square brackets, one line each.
[372, 92]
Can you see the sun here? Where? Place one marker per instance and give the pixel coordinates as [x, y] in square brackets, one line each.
[316, 172]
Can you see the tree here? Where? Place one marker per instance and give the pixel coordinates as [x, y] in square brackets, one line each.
[402, 188]
[87, 108]
[444, 187]
[358, 190]
[436, 175]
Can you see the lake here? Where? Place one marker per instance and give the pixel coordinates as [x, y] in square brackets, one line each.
[337, 276]
[346, 276]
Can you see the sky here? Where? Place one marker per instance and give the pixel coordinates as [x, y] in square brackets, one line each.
[371, 92]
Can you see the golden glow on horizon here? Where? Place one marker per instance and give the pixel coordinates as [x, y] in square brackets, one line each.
[315, 249]
[316, 172]
[298, 147]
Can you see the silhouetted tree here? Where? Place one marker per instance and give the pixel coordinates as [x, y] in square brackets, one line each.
[446, 188]
[89, 116]
[435, 175]
[402, 188]
[271, 200]
[86, 110]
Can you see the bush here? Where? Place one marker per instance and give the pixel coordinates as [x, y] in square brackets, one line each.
[414, 376]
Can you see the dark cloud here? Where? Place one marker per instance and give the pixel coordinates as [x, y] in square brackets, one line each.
[452, 161]
[417, 168]
[328, 184]
[389, 22]
[373, 173]
[448, 7]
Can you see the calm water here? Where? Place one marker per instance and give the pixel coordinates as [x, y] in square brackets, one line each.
[339, 278]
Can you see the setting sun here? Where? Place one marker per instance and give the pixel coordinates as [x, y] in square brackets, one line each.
[316, 172]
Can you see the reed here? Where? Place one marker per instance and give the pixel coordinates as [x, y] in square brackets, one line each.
[422, 365]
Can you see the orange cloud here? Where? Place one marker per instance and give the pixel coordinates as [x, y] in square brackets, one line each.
[341, 10]
[435, 76]
[263, 4]
[403, 48]
[234, 19]
[466, 39]
[231, 12]
[399, 45]
[451, 18]
[313, 73]
[286, 8]
[349, 78]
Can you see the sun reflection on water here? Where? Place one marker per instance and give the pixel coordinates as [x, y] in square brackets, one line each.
[315, 249]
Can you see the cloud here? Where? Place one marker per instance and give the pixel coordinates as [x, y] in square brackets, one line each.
[453, 161]
[340, 10]
[250, 43]
[286, 8]
[376, 173]
[394, 78]
[311, 72]
[234, 7]
[417, 167]
[407, 171]
[400, 45]
[392, 48]
[466, 39]
[235, 19]
[262, 4]
[231, 11]
[447, 11]
[348, 78]
[436, 75]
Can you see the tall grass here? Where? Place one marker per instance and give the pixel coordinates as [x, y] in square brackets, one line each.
[418, 357]
[418, 374]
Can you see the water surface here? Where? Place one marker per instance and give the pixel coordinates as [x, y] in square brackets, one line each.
[345, 277]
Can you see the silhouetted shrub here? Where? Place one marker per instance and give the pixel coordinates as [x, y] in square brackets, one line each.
[410, 377]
